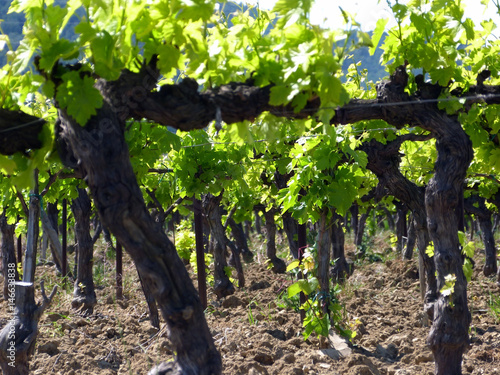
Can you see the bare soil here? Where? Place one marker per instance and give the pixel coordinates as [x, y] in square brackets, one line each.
[258, 332]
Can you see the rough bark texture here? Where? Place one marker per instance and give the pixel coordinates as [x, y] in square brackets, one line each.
[290, 228]
[390, 219]
[84, 297]
[19, 132]
[257, 221]
[101, 152]
[496, 201]
[212, 212]
[401, 228]
[484, 217]
[240, 240]
[358, 239]
[289, 223]
[412, 238]
[200, 251]
[154, 317]
[22, 329]
[279, 266]
[52, 227]
[448, 337]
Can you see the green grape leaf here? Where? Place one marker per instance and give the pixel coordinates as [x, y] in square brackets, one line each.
[279, 95]
[55, 16]
[377, 34]
[23, 56]
[293, 265]
[24, 179]
[495, 158]
[467, 269]
[18, 6]
[7, 165]
[105, 65]
[79, 97]
[169, 57]
[86, 31]
[449, 287]
[364, 39]
[196, 10]
[307, 286]
[61, 49]
[443, 75]
[293, 290]
[430, 250]
[49, 89]
[469, 29]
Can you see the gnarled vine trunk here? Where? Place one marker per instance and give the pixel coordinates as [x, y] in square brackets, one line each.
[240, 239]
[279, 266]
[407, 252]
[484, 217]
[401, 227]
[449, 335]
[101, 152]
[84, 297]
[358, 239]
[290, 225]
[218, 242]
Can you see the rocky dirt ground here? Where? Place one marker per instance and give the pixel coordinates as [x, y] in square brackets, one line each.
[258, 332]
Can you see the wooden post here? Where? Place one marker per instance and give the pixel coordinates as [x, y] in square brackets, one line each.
[64, 266]
[302, 240]
[200, 252]
[32, 236]
[119, 271]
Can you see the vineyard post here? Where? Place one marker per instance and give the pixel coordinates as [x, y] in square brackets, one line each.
[64, 237]
[119, 271]
[19, 248]
[14, 354]
[302, 240]
[200, 252]
[32, 237]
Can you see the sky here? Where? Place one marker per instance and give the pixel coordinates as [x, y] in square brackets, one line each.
[367, 12]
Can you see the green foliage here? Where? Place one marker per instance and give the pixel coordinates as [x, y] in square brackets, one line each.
[208, 261]
[449, 287]
[468, 249]
[328, 169]
[494, 306]
[316, 319]
[78, 96]
[185, 241]
[430, 249]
